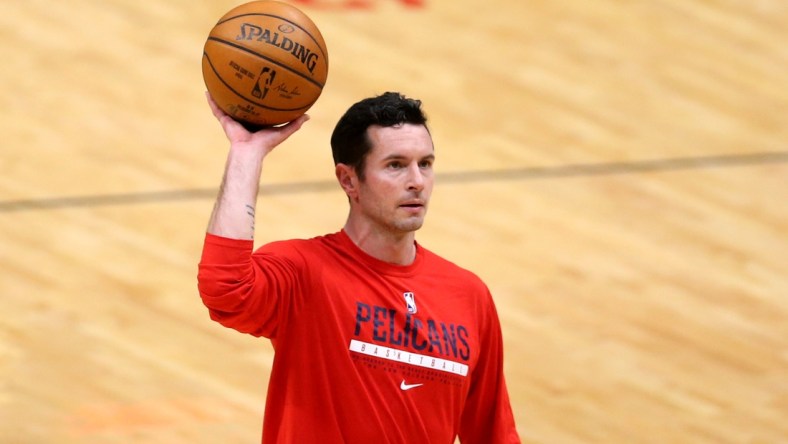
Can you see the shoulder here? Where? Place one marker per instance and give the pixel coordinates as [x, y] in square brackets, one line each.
[452, 272]
[464, 288]
[300, 248]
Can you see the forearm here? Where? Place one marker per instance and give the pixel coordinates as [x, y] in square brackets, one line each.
[233, 214]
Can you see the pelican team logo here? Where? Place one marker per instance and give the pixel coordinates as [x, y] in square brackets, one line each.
[410, 301]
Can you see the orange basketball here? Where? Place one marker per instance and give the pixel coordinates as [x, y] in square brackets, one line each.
[265, 63]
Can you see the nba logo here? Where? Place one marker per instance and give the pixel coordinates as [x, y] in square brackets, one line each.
[410, 300]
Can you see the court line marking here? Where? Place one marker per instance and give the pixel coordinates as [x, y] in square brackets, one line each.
[460, 177]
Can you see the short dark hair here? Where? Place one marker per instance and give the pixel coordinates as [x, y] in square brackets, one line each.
[349, 141]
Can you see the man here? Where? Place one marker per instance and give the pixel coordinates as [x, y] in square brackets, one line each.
[377, 340]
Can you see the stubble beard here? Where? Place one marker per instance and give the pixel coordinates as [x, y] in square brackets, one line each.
[409, 224]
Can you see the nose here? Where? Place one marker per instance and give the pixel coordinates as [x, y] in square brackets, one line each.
[415, 180]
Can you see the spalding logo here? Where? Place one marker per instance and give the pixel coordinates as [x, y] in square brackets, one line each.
[250, 32]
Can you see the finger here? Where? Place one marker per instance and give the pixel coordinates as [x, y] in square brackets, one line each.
[217, 112]
[278, 134]
[293, 125]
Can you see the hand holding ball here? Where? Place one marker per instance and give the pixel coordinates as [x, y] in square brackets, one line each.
[265, 63]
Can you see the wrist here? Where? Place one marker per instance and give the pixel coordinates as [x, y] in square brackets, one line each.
[247, 150]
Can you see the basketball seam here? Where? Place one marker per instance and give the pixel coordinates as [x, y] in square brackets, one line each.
[218, 76]
[322, 52]
[264, 57]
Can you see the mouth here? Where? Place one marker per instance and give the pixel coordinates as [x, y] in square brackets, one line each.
[412, 204]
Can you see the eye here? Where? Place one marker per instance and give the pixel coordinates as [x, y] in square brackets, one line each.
[395, 164]
[425, 164]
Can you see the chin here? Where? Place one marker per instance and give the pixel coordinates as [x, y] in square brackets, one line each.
[410, 225]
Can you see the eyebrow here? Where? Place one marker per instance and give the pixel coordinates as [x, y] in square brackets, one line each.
[430, 156]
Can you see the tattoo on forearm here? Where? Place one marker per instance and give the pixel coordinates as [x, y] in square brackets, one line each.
[250, 212]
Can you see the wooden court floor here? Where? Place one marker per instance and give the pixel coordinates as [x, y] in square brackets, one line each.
[616, 171]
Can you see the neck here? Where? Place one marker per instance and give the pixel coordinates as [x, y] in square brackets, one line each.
[394, 248]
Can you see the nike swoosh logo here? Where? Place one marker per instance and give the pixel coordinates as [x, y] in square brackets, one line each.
[404, 386]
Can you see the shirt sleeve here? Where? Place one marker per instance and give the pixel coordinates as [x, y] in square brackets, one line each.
[243, 290]
[487, 416]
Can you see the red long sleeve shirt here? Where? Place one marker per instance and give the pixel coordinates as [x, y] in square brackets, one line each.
[365, 351]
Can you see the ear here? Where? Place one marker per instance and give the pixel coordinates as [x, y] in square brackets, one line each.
[348, 180]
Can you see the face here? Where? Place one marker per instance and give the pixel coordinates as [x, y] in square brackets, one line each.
[398, 178]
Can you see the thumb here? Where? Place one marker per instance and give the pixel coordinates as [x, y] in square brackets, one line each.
[279, 134]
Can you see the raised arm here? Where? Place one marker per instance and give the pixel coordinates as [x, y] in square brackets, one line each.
[235, 293]
[234, 212]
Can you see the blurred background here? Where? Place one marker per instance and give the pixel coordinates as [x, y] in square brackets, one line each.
[616, 171]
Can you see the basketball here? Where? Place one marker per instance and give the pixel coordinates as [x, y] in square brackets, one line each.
[265, 63]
